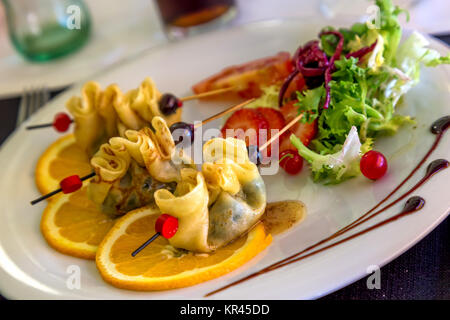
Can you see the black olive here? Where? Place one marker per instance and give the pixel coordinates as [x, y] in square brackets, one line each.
[188, 131]
[168, 104]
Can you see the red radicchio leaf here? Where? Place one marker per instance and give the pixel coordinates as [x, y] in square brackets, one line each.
[310, 61]
[362, 52]
[327, 88]
[331, 67]
[357, 54]
[340, 45]
[285, 86]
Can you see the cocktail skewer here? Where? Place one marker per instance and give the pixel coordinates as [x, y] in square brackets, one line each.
[166, 226]
[61, 123]
[224, 112]
[208, 94]
[189, 128]
[279, 133]
[67, 185]
[254, 152]
[168, 104]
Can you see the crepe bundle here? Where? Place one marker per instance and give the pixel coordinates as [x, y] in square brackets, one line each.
[218, 204]
[100, 115]
[130, 169]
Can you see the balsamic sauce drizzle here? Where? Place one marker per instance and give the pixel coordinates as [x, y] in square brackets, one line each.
[438, 128]
[413, 204]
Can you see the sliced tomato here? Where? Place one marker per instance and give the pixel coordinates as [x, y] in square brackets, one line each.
[276, 121]
[245, 124]
[248, 78]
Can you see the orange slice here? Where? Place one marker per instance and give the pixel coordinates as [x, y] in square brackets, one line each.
[73, 225]
[160, 266]
[62, 159]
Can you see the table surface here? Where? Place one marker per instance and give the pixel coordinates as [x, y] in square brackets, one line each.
[423, 272]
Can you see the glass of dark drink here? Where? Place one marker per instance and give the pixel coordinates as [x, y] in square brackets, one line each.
[186, 17]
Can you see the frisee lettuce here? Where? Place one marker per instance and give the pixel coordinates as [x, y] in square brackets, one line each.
[364, 93]
[339, 166]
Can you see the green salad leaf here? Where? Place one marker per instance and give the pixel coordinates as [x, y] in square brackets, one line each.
[364, 93]
[339, 166]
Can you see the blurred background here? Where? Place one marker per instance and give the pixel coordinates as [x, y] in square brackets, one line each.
[114, 30]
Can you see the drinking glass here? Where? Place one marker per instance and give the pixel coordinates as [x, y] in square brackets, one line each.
[45, 29]
[183, 17]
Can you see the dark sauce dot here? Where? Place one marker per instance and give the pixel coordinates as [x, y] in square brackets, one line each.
[440, 125]
[413, 204]
[436, 166]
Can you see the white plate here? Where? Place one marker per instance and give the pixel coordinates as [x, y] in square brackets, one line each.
[31, 269]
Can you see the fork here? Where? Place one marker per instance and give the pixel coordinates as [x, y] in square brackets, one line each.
[32, 99]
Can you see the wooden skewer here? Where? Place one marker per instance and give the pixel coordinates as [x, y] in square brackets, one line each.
[62, 125]
[224, 112]
[286, 127]
[207, 94]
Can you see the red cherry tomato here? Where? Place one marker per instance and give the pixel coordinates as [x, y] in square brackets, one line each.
[291, 161]
[373, 165]
[166, 225]
[61, 122]
[71, 184]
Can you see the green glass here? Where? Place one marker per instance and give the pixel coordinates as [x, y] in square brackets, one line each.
[42, 30]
